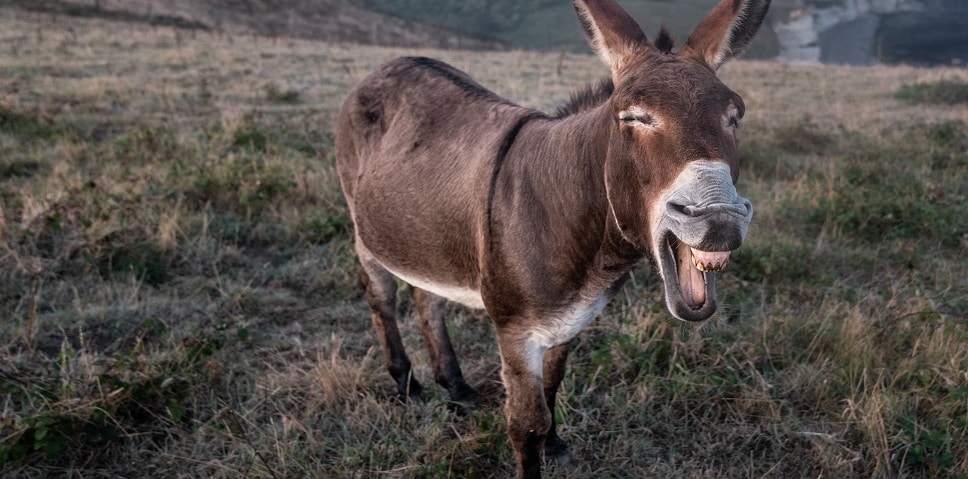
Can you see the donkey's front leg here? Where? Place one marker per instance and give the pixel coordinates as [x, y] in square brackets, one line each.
[529, 419]
[555, 449]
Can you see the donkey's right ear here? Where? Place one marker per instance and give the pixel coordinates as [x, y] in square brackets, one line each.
[611, 32]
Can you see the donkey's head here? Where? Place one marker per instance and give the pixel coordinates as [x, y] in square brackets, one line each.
[672, 157]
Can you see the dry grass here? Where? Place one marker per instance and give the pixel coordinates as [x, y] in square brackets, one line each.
[178, 291]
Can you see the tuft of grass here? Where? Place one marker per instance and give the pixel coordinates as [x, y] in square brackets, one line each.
[143, 258]
[25, 125]
[18, 168]
[278, 95]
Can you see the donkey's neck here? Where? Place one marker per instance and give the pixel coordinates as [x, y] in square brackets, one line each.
[583, 140]
[550, 192]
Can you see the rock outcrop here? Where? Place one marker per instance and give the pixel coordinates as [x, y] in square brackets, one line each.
[834, 31]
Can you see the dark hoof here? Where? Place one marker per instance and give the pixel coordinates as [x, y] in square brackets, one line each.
[412, 393]
[556, 451]
[463, 399]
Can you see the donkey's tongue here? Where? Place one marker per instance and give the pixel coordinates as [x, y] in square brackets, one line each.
[692, 282]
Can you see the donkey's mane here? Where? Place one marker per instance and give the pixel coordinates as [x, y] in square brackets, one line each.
[587, 98]
[458, 78]
[664, 41]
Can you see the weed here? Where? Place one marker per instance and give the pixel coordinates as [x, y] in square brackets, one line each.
[146, 144]
[927, 449]
[322, 230]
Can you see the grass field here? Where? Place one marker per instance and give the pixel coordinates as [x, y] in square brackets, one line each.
[178, 293]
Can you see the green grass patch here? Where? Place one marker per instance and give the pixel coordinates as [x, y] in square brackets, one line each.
[19, 168]
[772, 262]
[250, 137]
[875, 204]
[64, 412]
[944, 92]
[142, 257]
[239, 183]
[25, 125]
[781, 153]
[147, 144]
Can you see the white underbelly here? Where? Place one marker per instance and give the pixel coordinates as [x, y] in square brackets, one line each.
[466, 296]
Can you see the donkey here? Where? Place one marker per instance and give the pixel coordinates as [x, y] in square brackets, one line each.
[538, 219]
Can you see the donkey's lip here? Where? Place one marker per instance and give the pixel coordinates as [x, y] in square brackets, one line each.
[709, 262]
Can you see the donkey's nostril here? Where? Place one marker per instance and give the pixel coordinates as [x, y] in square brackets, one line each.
[741, 209]
[694, 210]
[677, 208]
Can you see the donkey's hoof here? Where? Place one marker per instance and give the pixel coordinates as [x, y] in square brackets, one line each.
[412, 393]
[463, 399]
[556, 452]
[563, 460]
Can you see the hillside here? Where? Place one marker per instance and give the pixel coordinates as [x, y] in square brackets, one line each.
[551, 24]
[921, 32]
[333, 20]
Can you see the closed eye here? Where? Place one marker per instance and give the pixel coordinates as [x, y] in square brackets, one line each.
[636, 116]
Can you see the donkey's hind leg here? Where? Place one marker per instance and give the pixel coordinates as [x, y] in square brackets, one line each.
[430, 312]
[381, 294]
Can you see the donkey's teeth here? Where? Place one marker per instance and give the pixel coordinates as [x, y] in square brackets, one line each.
[709, 262]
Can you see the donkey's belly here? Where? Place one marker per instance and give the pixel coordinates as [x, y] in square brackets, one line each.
[460, 294]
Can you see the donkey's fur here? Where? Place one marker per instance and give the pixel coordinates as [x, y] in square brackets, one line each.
[538, 219]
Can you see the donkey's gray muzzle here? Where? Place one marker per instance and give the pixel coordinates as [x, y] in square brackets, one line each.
[704, 210]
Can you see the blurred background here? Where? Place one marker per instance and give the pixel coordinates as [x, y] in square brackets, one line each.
[856, 32]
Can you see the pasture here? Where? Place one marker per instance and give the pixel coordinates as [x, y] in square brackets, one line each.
[179, 297]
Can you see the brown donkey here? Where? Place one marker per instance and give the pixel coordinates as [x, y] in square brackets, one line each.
[536, 218]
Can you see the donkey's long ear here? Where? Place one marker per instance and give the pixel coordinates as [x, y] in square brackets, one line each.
[611, 32]
[726, 31]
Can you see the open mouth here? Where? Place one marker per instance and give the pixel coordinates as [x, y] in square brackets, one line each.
[689, 277]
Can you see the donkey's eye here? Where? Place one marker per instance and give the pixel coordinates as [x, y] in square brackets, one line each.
[733, 122]
[635, 116]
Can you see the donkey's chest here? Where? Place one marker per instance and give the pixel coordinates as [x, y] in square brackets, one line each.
[556, 329]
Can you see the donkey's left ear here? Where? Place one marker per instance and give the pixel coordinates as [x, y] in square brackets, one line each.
[726, 31]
